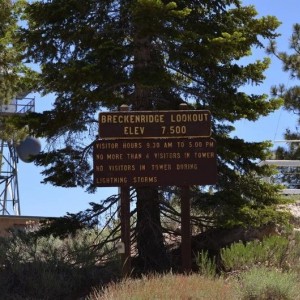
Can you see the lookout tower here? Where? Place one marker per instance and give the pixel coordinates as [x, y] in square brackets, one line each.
[9, 189]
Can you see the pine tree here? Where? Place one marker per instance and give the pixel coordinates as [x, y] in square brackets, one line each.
[12, 69]
[154, 55]
[291, 64]
[15, 76]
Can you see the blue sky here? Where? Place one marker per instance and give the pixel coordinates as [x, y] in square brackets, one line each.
[273, 126]
[45, 200]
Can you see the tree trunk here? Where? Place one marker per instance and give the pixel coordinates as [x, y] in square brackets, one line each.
[150, 241]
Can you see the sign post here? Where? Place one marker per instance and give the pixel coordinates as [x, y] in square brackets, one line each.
[155, 148]
[186, 248]
[125, 231]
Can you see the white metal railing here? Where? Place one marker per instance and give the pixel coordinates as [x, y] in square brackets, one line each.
[18, 106]
[283, 163]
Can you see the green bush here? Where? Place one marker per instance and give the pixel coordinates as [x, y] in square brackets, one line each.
[168, 286]
[264, 284]
[294, 252]
[34, 267]
[272, 251]
[207, 266]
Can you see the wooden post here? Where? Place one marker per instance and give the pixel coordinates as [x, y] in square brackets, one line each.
[125, 224]
[186, 249]
[125, 231]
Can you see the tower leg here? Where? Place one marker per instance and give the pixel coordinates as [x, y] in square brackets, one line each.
[9, 189]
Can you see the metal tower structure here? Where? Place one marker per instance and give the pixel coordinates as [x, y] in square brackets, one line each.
[9, 188]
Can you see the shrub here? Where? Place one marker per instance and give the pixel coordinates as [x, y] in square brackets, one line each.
[272, 251]
[49, 268]
[207, 266]
[294, 253]
[175, 287]
[263, 284]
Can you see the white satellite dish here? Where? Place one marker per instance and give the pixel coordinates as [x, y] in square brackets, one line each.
[28, 148]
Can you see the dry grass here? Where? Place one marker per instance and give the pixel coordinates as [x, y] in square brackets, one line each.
[175, 287]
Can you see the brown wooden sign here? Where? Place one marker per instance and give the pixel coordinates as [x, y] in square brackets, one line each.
[153, 124]
[155, 162]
